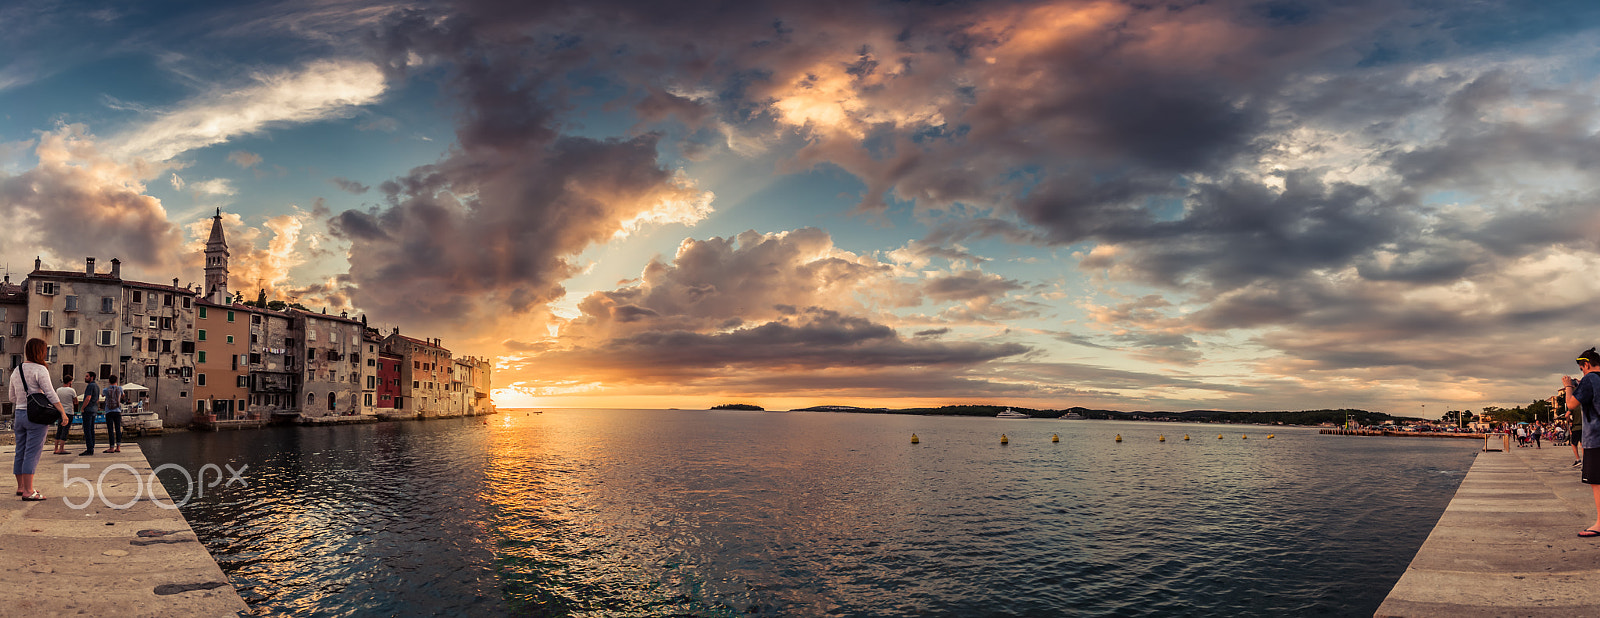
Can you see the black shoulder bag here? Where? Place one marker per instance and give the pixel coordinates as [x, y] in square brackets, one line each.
[40, 410]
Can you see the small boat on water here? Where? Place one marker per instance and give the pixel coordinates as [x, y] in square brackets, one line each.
[1071, 416]
[1009, 413]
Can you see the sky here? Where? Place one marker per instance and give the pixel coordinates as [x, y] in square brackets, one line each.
[1264, 205]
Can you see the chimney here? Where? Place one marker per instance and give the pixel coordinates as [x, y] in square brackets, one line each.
[36, 263]
[88, 266]
[116, 268]
[174, 282]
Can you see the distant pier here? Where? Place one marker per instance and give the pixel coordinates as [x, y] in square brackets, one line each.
[1507, 544]
[1404, 434]
[101, 561]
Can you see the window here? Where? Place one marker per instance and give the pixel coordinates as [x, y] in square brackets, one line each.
[242, 381]
[371, 362]
[311, 399]
[16, 361]
[44, 319]
[372, 382]
[153, 323]
[68, 371]
[152, 346]
[187, 301]
[138, 296]
[72, 303]
[233, 361]
[166, 345]
[311, 354]
[105, 370]
[184, 394]
[202, 333]
[288, 343]
[200, 379]
[333, 336]
[106, 338]
[311, 335]
[186, 371]
[254, 339]
[47, 288]
[255, 319]
[150, 371]
[255, 358]
[69, 336]
[188, 347]
[416, 384]
[230, 338]
[166, 300]
[399, 403]
[108, 304]
[203, 313]
[202, 356]
[166, 324]
[369, 399]
[138, 344]
[230, 316]
[330, 401]
[416, 364]
[17, 329]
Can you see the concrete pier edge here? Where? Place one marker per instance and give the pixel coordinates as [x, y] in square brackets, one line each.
[97, 560]
[1507, 544]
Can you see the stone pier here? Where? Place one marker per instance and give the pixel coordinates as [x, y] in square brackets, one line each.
[1507, 544]
[73, 555]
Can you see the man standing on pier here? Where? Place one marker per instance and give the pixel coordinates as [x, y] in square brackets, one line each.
[91, 406]
[1581, 397]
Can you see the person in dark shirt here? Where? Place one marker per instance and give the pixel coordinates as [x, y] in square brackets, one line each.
[91, 406]
[1583, 395]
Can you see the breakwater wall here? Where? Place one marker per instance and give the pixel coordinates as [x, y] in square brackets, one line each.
[1405, 434]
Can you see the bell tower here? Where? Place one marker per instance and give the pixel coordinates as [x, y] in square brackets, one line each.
[217, 263]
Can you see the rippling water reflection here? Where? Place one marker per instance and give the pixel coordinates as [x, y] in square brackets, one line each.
[629, 513]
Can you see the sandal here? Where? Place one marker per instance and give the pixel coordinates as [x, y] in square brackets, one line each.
[34, 497]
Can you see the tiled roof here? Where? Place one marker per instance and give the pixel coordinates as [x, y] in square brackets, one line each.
[158, 286]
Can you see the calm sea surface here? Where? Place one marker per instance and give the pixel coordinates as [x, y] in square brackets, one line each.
[693, 513]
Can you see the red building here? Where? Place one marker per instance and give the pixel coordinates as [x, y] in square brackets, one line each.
[389, 381]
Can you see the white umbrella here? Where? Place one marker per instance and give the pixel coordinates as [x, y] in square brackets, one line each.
[133, 387]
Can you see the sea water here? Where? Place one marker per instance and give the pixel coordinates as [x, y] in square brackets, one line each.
[731, 513]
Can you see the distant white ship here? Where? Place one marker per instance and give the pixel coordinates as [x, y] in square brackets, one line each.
[1072, 416]
[1009, 413]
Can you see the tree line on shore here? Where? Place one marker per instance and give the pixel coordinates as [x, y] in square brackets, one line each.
[1300, 417]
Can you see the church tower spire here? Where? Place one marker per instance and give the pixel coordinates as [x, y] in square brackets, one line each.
[217, 263]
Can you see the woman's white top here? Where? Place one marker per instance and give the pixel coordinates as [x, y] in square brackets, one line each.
[38, 380]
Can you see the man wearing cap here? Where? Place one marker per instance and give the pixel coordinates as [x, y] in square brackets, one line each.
[1582, 396]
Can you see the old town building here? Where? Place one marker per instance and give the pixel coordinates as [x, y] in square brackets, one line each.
[222, 361]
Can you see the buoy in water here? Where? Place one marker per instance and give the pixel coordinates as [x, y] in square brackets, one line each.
[1161, 439]
[1004, 439]
[914, 439]
[1219, 436]
[1055, 438]
[1271, 436]
[1119, 437]
[1244, 437]
[1185, 437]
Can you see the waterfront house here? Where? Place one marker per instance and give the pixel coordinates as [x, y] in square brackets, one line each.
[158, 351]
[369, 370]
[331, 382]
[389, 398]
[13, 328]
[222, 361]
[422, 374]
[76, 312]
[274, 351]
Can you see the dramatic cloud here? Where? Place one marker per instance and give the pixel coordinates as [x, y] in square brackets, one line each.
[322, 89]
[78, 202]
[259, 258]
[725, 309]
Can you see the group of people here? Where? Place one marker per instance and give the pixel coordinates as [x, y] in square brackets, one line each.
[1536, 434]
[32, 377]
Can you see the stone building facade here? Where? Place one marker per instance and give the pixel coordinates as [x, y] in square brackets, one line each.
[158, 350]
[331, 382]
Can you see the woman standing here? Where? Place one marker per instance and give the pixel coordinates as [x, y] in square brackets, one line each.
[31, 377]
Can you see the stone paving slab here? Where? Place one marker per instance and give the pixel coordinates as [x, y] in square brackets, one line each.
[57, 560]
[1507, 544]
